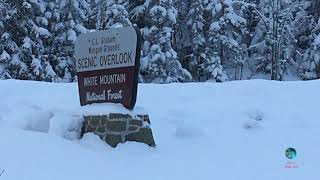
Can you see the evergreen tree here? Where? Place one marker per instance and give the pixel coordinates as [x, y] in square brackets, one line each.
[310, 67]
[196, 25]
[111, 15]
[182, 36]
[160, 63]
[224, 34]
[4, 57]
[70, 23]
[25, 28]
[308, 30]
[273, 45]
[137, 10]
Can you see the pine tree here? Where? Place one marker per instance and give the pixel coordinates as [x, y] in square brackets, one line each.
[224, 35]
[111, 15]
[4, 57]
[160, 63]
[273, 46]
[308, 29]
[310, 67]
[212, 66]
[69, 24]
[196, 25]
[25, 28]
[137, 10]
[182, 36]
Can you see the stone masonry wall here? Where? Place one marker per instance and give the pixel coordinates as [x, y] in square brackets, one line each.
[118, 128]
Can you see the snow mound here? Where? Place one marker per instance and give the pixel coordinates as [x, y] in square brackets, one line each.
[202, 130]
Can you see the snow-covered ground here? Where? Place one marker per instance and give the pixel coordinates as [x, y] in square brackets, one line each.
[231, 131]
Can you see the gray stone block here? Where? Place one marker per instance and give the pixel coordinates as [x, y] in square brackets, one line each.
[144, 136]
[113, 140]
[136, 122]
[101, 130]
[87, 118]
[86, 123]
[133, 128]
[103, 120]
[95, 121]
[117, 126]
[119, 116]
[90, 129]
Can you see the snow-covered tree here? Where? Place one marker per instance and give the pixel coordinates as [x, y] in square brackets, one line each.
[212, 66]
[70, 16]
[5, 58]
[224, 34]
[195, 21]
[111, 15]
[273, 44]
[309, 40]
[26, 28]
[181, 37]
[160, 63]
[137, 10]
[310, 67]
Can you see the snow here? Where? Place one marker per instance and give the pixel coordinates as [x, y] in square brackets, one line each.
[2, 69]
[172, 15]
[81, 29]
[49, 71]
[158, 9]
[15, 59]
[36, 65]
[317, 40]
[5, 36]
[218, 7]
[235, 19]
[43, 32]
[27, 44]
[106, 108]
[235, 130]
[228, 2]
[72, 35]
[215, 26]
[117, 25]
[27, 5]
[42, 20]
[48, 15]
[4, 57]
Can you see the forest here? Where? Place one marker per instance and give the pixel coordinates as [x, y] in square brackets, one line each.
[183, 40]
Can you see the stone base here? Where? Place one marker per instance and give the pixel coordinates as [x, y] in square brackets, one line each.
[119, 128]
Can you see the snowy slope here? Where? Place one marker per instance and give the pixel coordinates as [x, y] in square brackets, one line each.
[234, 131]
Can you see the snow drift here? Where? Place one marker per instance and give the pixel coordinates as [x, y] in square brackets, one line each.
[235, 130]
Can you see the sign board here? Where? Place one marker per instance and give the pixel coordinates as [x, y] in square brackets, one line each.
[108, 66]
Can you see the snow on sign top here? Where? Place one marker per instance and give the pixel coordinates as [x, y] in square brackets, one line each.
[113, 48]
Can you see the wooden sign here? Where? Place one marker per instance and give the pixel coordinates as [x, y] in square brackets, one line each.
[108, 65]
